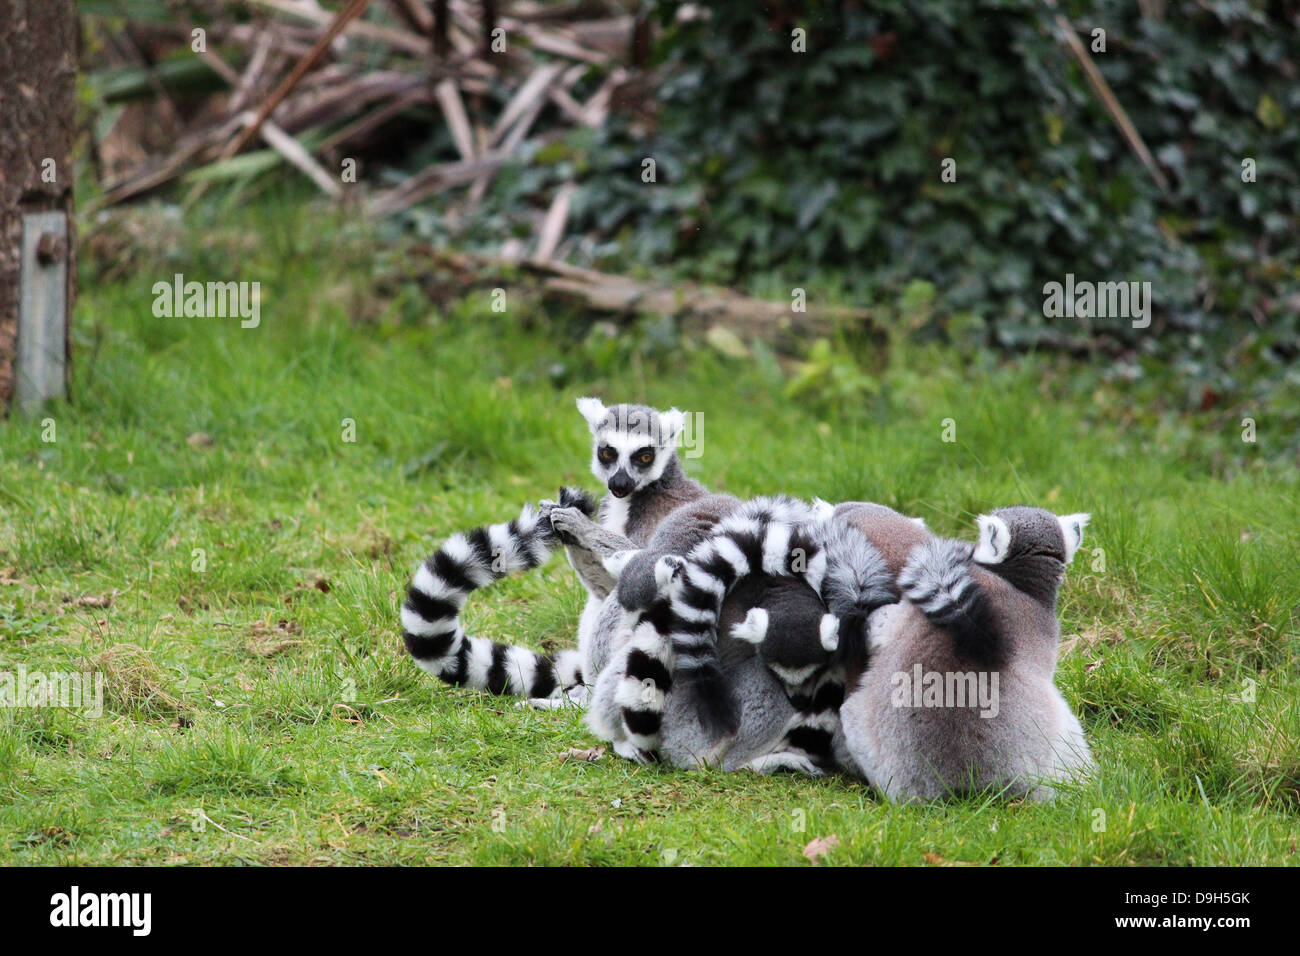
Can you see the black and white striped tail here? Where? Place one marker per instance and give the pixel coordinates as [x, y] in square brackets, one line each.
[937, 580]
[856, 583]
[674, 642]
[811, 730]
[431, 626]
[647, 678]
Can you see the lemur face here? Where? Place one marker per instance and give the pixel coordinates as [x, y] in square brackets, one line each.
[631, 444]
[1010, 534]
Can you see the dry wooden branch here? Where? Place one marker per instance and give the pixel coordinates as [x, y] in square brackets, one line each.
[247, 83]
[430, 181]
[158, 171]
[697, 306]
[415, 15]
[368, 122]
[1108, 99]
[525, 99]
[557, 216]
[346, 15]
[561, 44]
[396, 39]
[453, 109]
[296, 155]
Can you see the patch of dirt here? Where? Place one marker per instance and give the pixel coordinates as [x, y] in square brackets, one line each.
[267, 640]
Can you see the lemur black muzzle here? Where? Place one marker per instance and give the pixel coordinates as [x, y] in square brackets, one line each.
[621, 484]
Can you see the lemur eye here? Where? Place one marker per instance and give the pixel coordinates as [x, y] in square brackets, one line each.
[645, 457]
[606, 454]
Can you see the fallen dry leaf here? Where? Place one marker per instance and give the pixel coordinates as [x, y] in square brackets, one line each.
[821, 846]
[587, 755]
[199, 440]
[934, 859]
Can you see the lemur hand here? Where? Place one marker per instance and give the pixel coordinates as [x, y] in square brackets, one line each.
[568, 523]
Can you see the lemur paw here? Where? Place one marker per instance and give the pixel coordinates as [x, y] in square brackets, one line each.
[574, 698]
[566, 522]
[545, 507]
[629, 750]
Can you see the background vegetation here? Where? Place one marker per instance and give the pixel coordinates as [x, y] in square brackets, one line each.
[262, 710]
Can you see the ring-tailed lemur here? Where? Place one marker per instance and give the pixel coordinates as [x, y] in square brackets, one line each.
[990, 607]
[674, 634]
[633, 453]
[959, 694]
[717, 703]
[805, 637]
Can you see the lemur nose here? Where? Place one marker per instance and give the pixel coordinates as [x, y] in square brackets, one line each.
[621, 484]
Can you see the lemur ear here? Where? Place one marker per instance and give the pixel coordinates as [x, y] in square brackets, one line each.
[994, 540]
[670, 426]
[593, 410]
[1072, 527]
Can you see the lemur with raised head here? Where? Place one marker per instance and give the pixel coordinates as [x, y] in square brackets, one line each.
[731, 723]
[974, 623]
[633, 455]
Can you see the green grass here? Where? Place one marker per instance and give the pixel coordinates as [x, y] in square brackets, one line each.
[261, 710]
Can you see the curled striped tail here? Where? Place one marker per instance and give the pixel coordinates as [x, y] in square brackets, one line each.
[766, 536]
[816, 643]
[675, 639]
[431, 626]
[937, 580]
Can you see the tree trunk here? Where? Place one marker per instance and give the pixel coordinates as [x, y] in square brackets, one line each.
[38, 70]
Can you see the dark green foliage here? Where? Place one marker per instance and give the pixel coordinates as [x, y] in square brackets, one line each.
[825, 165]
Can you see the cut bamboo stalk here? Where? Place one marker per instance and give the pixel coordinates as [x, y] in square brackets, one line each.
[556, 218]
[295, 154]
[1109, 100]
[453, 109]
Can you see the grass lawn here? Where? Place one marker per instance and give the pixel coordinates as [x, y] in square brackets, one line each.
[259, 707]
